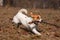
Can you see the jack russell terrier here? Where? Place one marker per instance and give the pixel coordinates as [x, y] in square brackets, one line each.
[20, 17]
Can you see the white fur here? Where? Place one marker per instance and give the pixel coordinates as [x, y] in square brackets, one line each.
[20, 17]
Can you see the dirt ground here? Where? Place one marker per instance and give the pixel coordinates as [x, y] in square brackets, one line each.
[8, 31]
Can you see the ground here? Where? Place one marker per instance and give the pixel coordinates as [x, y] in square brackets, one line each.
[8, 31]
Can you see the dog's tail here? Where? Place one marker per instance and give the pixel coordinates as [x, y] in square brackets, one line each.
[23, 10]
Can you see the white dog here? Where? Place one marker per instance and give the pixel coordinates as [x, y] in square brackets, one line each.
[20, 17]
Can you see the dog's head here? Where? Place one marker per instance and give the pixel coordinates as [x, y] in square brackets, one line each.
[35, 16]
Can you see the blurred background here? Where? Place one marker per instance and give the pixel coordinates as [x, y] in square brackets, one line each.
[48, 9]
[31, 3]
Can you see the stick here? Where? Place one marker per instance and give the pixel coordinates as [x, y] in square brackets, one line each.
[49, 24]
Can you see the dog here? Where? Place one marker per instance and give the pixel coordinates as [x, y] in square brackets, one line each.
[21, 17]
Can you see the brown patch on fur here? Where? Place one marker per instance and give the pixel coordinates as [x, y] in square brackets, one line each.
[35, 16]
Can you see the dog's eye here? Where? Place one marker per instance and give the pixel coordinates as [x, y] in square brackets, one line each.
[37, 17]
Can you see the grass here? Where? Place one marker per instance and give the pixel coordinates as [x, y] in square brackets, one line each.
[10, 32]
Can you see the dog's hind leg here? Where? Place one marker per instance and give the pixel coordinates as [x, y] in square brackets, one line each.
[18, 25]
[33, 29]
[16, 21]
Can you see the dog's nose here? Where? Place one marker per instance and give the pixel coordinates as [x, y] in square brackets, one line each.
[41, 21]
